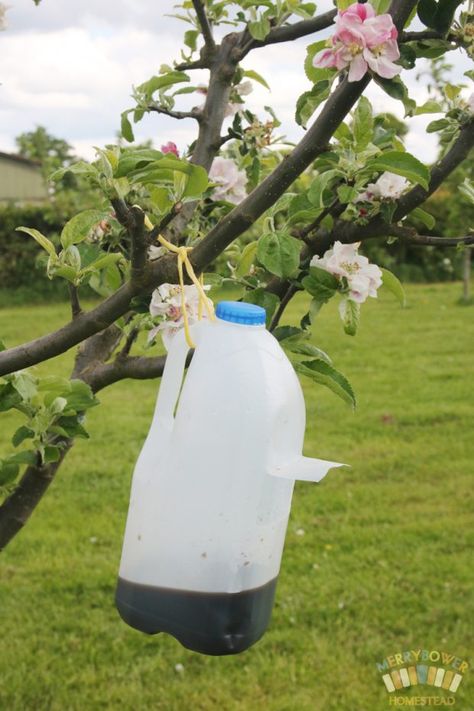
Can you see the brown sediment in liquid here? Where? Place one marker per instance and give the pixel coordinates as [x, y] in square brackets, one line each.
[211, 623]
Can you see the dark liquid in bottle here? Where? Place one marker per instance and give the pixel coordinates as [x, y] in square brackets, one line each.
[210, 623]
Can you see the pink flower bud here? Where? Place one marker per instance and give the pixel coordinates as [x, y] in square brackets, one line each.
[170, 147]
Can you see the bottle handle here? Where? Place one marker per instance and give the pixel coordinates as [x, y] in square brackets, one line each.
[171, 381]
[303, 468]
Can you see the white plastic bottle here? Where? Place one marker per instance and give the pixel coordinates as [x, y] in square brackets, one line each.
[212, 487]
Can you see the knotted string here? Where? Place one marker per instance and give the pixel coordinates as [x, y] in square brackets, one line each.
[183, 259]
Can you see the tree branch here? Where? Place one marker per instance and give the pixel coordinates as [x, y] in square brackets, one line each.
[286, 33]
[411, 236]
[156, 108]
[206, 28]
[231, 226]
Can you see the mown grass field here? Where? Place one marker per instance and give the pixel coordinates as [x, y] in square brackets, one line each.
[384, 564]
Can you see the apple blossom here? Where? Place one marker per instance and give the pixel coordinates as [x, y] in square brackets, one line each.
[231, 181]
[362, 40]
[344, 261]
[170, 147]
[166, 302]
[388, 186]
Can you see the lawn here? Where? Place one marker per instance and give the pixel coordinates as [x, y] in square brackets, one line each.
[378, 557]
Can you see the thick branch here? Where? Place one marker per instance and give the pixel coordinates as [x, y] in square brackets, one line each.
[206, 28]
[136, 367]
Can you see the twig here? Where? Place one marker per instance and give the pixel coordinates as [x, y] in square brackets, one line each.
[412, 237]
[154, 107]
[206, 28]
[129, 341]
[74, 299]
[292, 290]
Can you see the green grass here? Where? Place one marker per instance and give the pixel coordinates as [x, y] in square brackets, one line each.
[384, 565]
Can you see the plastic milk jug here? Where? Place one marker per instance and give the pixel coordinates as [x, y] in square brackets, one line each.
[212, 487]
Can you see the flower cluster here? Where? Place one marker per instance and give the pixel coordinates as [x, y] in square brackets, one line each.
[344, 262]
[388, 186]
[231, 182]
[166, 302]
[362, 40]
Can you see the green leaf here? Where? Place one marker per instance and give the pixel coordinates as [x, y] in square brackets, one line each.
[246, 259]
[451, 91]
[301, 347]
[9, 397]
[346, 193]
[363, 124]
[325, 374]
[310, 100]
[43, 241]
[126, 127]
[149, 87]
[252, 74]
[393, 284]
[397, 90]
[25, 384]
[51, 454]
[102, 262]
[402, 164]
[65, 272]
[190, 39]
[260, 28]
[320, 284]
[467, 189]
[437, 125]
[319, 192]
[21, 434]
[81, 396]
[8, 471]
[427, 12]
[313, 73]
[79, 227]
[282, 332]
[424, 217]
[349, 311]
[23, 458]
[264, 299]
[279, 253]
[196, 183]
[429, 107]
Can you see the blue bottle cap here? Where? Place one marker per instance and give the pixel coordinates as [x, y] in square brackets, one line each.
[240, 312]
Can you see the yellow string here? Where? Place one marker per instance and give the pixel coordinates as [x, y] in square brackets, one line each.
[183, 259]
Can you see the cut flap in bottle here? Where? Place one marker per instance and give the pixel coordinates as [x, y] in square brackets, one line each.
[303, 468]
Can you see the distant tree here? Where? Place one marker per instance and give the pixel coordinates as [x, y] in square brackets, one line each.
[52, 152]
